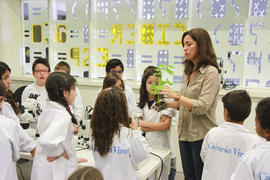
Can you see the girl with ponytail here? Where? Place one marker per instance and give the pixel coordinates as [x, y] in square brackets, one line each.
[56, 156]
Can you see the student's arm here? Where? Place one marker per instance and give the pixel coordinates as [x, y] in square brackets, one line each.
[163, 125]
[26, 143]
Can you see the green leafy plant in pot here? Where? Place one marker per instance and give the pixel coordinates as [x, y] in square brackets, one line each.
[155, 88]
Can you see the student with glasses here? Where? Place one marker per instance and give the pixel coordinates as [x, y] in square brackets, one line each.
[116, 66]
[35, 94]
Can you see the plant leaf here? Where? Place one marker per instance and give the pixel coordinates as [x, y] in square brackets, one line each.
[170, 72]
[168, 82]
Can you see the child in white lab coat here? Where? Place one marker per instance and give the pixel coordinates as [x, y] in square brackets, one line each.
[34, 95]
[12, 140]
[9, 138]
[55, 155]
[155, 124]
[113, 80]
[115, 145]
[116, 66]
[224, 146]
[10, 110]
[255, 165]
[77, 106]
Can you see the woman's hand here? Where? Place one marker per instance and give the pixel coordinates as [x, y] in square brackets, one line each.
[53, 158]
[167, 91]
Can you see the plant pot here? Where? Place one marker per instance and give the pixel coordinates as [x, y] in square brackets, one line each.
[161, 105]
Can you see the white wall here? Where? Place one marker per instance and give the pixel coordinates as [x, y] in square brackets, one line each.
[10, 52]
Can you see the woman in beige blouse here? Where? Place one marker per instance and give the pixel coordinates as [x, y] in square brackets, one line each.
[197, 99]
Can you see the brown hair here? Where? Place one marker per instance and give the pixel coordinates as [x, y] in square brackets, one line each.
[149, 71]
[111, 79]
[86, 173]
[62, 65]
[205, 51]
[109, 112]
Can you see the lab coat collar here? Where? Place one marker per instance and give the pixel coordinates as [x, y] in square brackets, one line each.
[238, 127]
[55, 104]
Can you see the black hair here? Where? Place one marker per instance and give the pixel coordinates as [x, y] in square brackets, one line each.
[56, 84]
[263, 113]
[41, 60]
[9, 96]
[112, 63]
[3, 89]
[149, 71]
[3, 68]
[238, 105]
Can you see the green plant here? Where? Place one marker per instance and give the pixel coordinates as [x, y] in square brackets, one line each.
[155, 88]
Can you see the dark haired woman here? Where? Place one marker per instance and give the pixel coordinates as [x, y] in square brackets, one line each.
[197, 99]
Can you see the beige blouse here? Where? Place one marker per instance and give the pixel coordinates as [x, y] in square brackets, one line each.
[203, 90]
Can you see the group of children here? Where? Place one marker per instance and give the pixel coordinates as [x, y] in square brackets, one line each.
[116, 138]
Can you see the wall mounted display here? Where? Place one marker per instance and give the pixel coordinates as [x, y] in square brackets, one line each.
[87, 33]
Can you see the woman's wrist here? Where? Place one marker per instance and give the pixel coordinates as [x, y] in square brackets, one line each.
[177, 97]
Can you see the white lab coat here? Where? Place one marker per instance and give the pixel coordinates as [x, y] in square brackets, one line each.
[9, 148]
[77, 106]
[56, 136]
[26, 143]
[37, 103]
[157, 139]
[255, 165]
[127, 149]
[130, 98]
[223, 147]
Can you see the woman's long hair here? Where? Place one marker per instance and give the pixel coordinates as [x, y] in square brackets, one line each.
[56, 84]
[149, 71]
[205, 51]
[9, 96]
[110, 112]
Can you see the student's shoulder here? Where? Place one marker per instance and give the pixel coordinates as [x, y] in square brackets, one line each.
[7, 123]
[29, 87]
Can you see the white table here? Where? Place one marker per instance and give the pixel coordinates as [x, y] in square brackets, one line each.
[147, 168]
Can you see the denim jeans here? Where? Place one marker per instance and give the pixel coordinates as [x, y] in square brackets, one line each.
[191, 160]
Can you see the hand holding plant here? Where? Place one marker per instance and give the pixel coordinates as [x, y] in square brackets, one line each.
[157, 88]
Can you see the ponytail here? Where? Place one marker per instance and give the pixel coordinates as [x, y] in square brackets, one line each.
[56, 84]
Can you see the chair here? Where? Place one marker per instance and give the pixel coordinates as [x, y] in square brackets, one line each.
[18, 94]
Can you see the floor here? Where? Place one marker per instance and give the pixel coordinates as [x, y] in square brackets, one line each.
[25, 172]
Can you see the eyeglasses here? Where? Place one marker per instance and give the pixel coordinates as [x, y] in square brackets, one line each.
[42, 71]
[117, 72]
